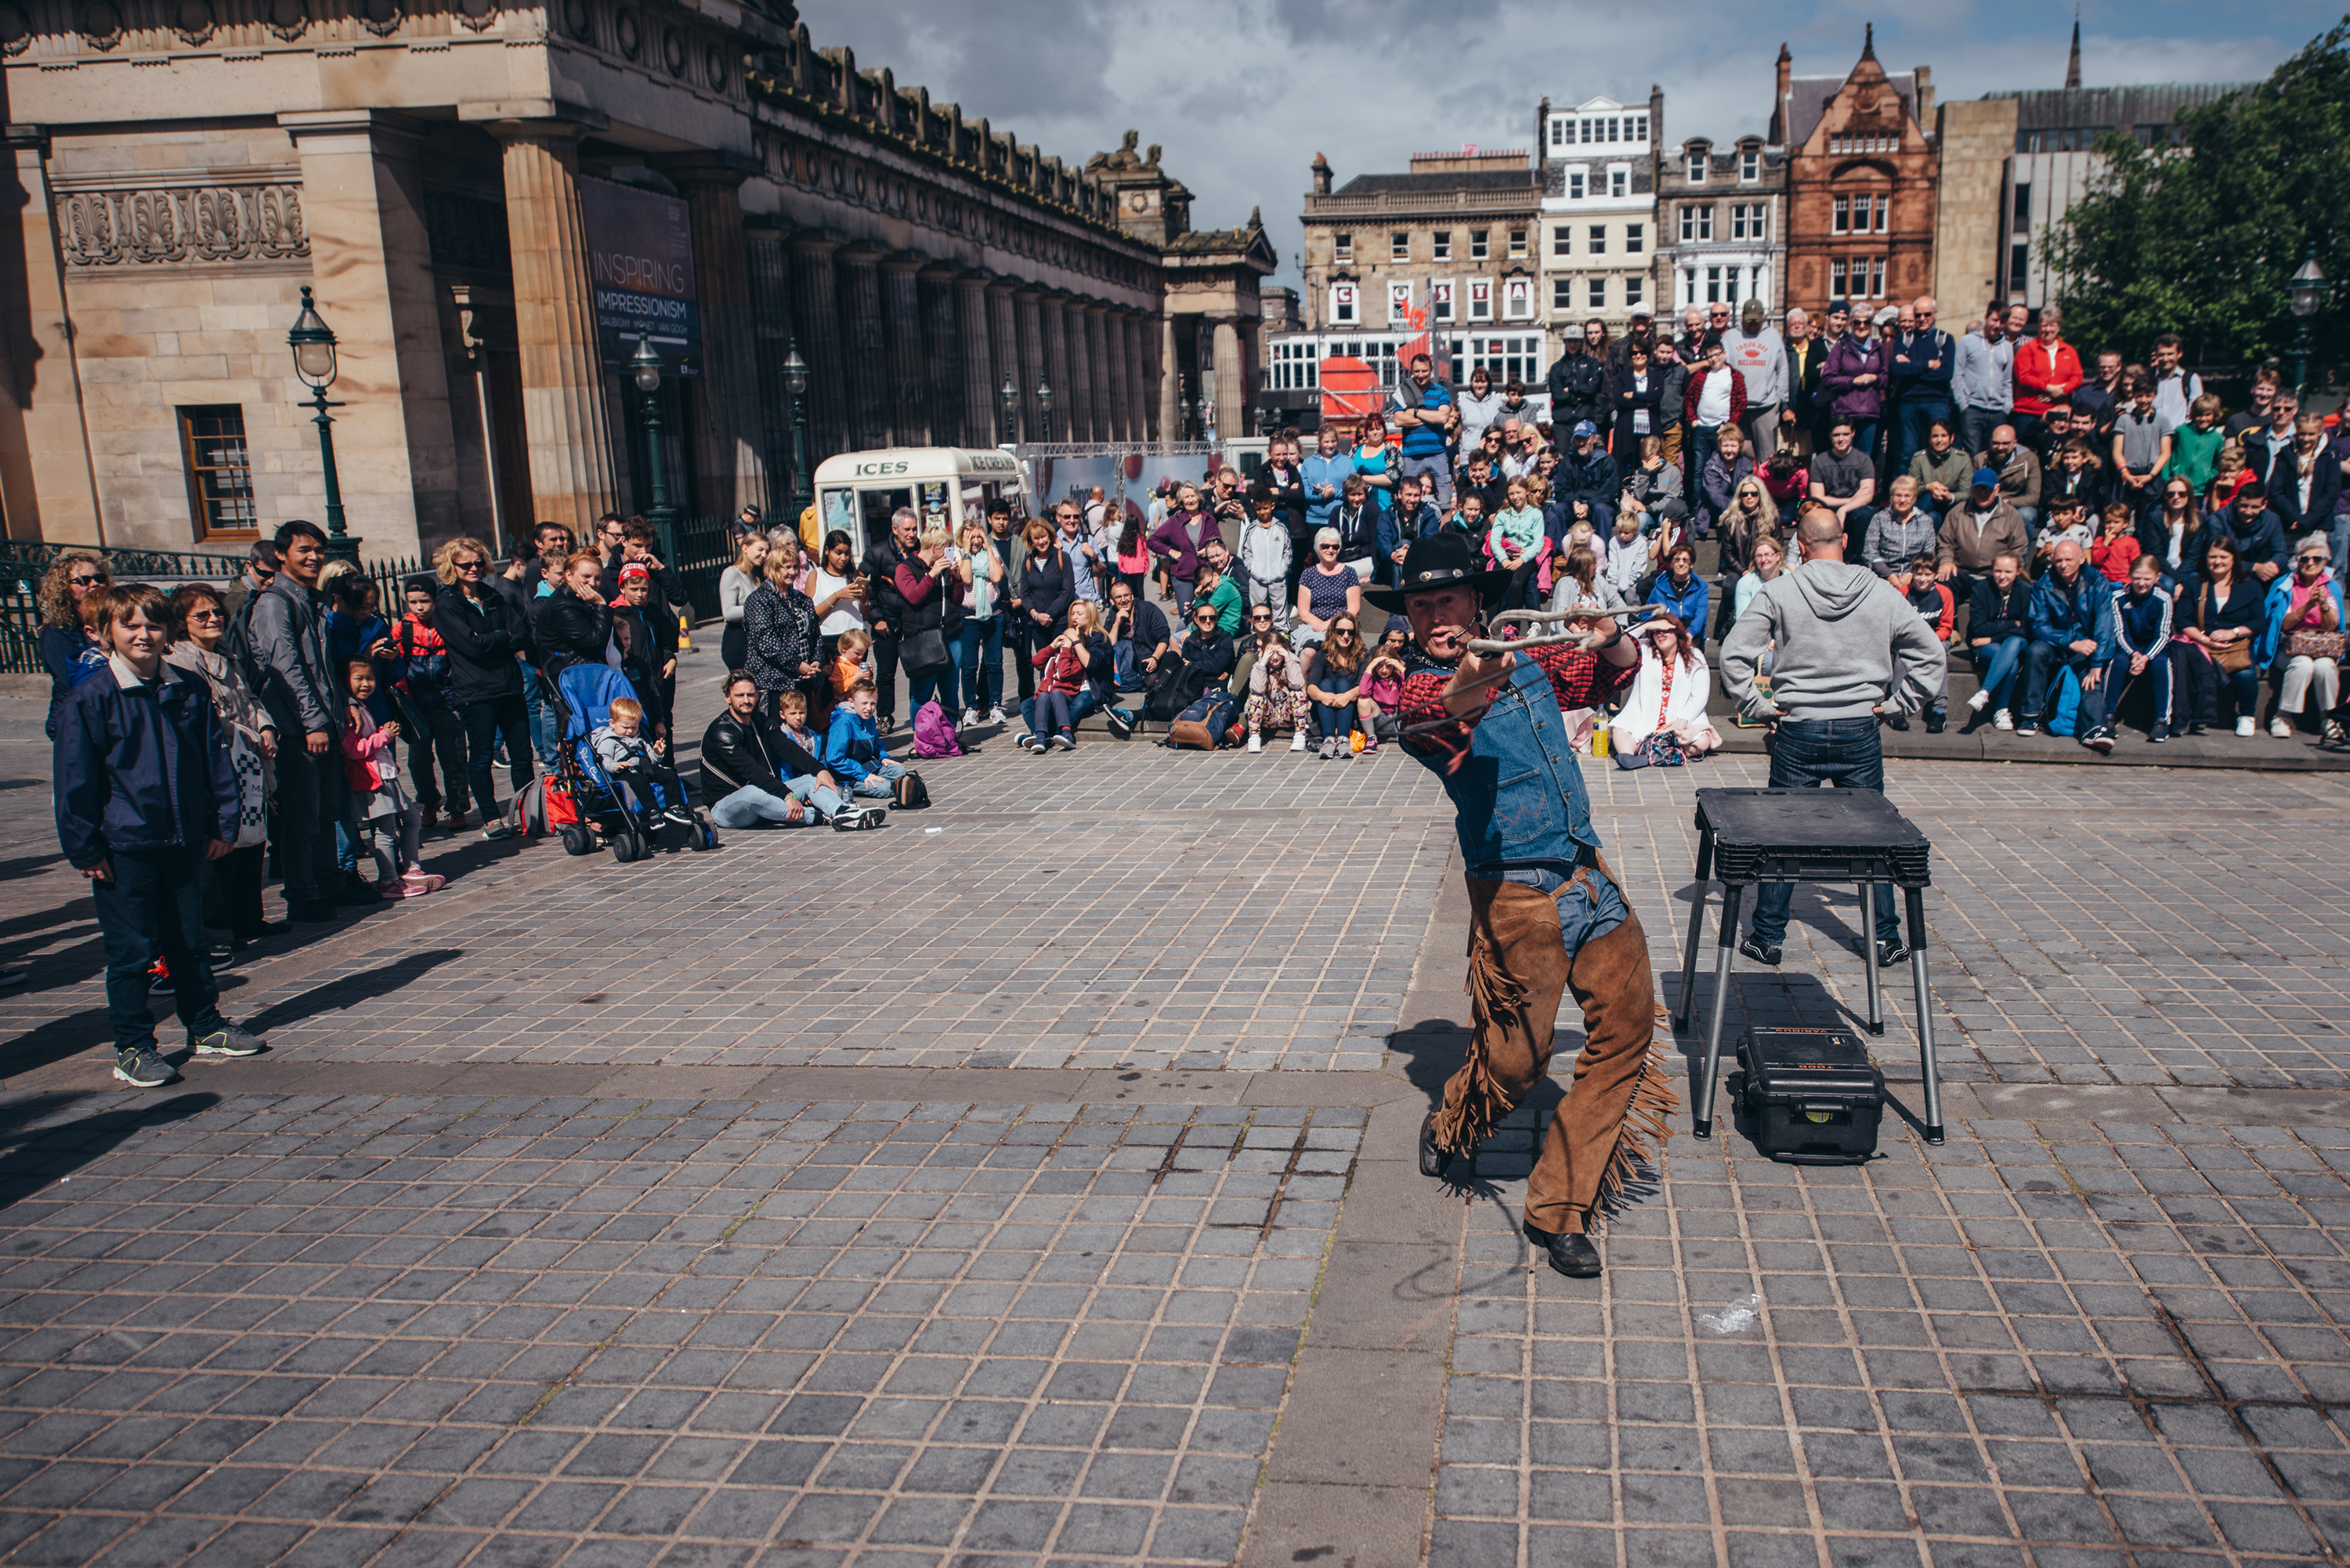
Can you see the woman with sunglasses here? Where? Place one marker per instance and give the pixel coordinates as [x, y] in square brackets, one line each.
[1333, 684]
[233, 888]
[2175, 536]
[484, 634]
[68, 647]
[2307, 601]
[1326, 589]
[1207, 663]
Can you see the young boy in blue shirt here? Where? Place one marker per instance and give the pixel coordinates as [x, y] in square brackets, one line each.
[146, 793]
[852, 747]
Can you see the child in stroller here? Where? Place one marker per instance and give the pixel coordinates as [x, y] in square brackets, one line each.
[614, 808]
[637, 767]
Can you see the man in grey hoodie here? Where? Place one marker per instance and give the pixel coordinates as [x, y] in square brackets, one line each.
[1848, 650]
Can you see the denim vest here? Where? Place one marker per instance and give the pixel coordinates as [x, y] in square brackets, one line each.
[1518, 798]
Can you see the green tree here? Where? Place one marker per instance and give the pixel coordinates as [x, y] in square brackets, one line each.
[2202, 239]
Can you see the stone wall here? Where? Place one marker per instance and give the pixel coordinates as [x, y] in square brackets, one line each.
[1977, 139]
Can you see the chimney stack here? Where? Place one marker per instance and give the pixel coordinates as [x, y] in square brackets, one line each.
[1321, 175]
[1542, 140]
[1779, 97]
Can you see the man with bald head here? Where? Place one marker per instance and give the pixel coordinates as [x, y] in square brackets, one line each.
[1924, 356]
[1848, 650]
[2070, 630]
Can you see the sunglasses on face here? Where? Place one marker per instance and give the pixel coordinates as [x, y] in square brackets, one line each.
[85, 582]
[473, 566]
[194, 615]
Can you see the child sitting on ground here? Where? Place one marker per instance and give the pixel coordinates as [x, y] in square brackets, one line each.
[852, 747]
[2117, 547]
[1382, 698]
[1930, 599]
[850, 664]
[638, 767]
[376, 792]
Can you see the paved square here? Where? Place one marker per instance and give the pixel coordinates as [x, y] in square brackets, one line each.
[309, 1330]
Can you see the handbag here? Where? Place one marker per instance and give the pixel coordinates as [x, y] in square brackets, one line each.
[2314, 645]
[2228, 656]
[925, 652]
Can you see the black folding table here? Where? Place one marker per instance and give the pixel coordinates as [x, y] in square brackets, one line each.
[1807, 835]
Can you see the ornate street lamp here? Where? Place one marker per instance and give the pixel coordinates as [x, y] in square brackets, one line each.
[1044, 409]
[795, 381]
[313, 343]
[1183, 402]
[1010, 396]
[2308, 294]
[647, 366]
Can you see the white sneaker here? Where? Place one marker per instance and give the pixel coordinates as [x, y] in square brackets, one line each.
[1980, 701]
[971, 718]
[1256, 741]
[2280, 729]
[1298, 741]
[995, 715]
[2002, 720]
[2244, 725]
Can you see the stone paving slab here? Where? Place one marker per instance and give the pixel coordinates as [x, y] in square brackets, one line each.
[2075, 1342]
[316, 1329]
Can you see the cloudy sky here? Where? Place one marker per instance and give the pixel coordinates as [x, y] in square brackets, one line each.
[1242, 93]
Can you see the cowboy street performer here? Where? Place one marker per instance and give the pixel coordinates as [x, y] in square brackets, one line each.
[1545, 915]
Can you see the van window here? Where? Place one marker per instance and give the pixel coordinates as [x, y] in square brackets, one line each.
[877, 507]
[934, 503]
[839, 512]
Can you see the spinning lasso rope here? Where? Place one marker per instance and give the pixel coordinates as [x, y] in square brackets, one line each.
[1631, 614]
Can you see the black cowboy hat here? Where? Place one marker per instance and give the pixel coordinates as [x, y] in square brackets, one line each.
[1441, 560]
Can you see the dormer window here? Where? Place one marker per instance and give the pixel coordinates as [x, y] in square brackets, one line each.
[1696, 162]
[1750, 164]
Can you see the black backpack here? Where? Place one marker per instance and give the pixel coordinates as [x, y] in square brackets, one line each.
[236, 643]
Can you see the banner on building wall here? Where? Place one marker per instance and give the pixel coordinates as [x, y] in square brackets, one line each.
[640, 265]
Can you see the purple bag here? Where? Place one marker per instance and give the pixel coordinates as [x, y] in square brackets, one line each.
[934, 734]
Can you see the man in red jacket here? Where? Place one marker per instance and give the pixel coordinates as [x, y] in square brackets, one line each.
[2046, 372]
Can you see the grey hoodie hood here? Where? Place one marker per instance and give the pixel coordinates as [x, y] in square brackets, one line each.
[1846, 641]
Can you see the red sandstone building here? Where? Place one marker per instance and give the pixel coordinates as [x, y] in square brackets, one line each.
[1863, 173]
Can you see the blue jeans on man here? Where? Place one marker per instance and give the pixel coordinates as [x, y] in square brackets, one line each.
[749, 805]
[1843, 752]
[1917, 414]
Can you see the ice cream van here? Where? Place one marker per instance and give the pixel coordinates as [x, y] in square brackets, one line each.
[857, 492]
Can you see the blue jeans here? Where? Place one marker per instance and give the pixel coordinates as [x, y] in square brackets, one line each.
[2117, 680]
[749, 805]
[875, 784]
[2043, 663]
[155, 908]
[938, 686]
[979, 654]
[1995, 667]
[1847, 754]
[1975, 426]
[543, 736]
[485, 723]
[1915, 416]
[1339, 720]
[1032, 713]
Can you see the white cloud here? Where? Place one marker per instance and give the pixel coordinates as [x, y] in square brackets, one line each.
[1242, 93]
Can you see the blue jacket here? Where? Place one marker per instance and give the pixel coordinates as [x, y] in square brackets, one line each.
[1912, 381]
[1687, 603]
[2280, 600]
[1593, 479]
[1317, 471]
[141, 767]
[2060, 619]
[852, 746]
[1396, 530]
[1518, 796]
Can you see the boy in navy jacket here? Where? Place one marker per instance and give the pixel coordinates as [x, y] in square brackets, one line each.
[146, 793]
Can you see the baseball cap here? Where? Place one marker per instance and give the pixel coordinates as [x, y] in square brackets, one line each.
[1643, 313]
[1839, 308]
[636, 569]
[1985, 479]
[1585, 427]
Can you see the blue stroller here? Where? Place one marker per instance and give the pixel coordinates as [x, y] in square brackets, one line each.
[583, 695]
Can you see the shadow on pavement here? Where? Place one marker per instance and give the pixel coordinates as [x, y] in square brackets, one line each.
[35, 1150]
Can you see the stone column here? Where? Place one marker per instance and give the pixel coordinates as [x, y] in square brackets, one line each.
[1116, 367]
[730, 468]
[1139, 382]
[1230, 384]
[1003, 347]
[47, 487]
[909, 407]
[1097, 367]
[565, 417]
[866, 346]
[1170, 382]
[371, 258]
[816, 301]
[979, 372]
[1032, 358]
[1055, 325]
[772, 340]
[943, 351]
[1081, 373]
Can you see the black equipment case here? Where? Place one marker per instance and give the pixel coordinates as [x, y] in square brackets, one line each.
[1812, 1095]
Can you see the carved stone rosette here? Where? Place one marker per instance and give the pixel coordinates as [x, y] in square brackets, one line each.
[190, 225]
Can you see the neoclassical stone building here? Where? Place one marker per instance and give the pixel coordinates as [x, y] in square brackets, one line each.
[491, 202]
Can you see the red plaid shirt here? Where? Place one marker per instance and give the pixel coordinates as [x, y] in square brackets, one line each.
[1578, 679]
